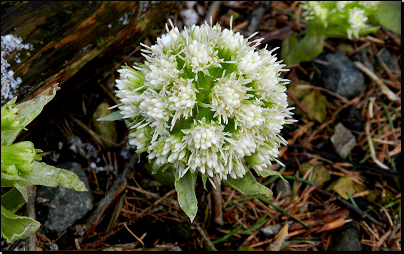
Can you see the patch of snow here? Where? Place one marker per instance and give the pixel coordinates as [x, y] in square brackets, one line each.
[83, 49]
[127, 151]
[87, 150]
[190, 4]
[125, 19]
[9, 85]
[200, 10]
[190, 16]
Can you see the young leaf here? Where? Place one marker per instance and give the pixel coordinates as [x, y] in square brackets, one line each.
[114, 116]
[14, 227]
[29, 110]
[185, 187]
[14, 199]
[248, 185]
[43, 174]
[204, 178]
[11, 180]
[8, 136]
[288, 45]
[389, 15]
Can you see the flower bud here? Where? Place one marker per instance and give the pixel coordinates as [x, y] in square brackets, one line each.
[20, 154]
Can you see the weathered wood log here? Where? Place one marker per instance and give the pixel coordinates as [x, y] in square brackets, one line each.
[71, 38]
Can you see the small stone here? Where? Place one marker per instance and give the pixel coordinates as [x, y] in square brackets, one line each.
[389, 60]
[352, 119]
[284, 187]
[106, 129]
[271, 230]
[347, 238]
[339, 74]
[363, 56]
[64, 206]
[343, 140]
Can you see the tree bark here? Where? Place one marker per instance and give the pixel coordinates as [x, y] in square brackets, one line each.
[73, 38]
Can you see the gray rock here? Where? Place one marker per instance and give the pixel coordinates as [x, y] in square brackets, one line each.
[352, 119]
[389, 60]
[59, 208]
[339, 74]
[343, 140]
[363, 56]
[347, 239]
[284, 187]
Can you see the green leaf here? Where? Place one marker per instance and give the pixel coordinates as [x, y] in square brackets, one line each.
[185, 187]
[29, 110]
[204, 178]
[15, 198]
[10, 180]
[14, 227]
[43, 174]
[114, 116]
[8, 136]
[248, 185]
[306, 49]
[389, 15]
[288, 45]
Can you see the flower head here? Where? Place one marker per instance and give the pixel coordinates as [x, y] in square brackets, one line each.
[341, 18]
[204, 100]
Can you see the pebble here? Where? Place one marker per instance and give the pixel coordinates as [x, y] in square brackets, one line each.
[346, 238]
[284, 187]
[352, 119]
[389, 60]
[343, 140]
[337, 73]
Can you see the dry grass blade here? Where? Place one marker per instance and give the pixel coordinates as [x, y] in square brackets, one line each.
[385, 90]
[137, 238]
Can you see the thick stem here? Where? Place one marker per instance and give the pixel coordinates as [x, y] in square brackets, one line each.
[30, 212]
[217, 203]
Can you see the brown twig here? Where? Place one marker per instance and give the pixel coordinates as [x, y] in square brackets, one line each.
[116, 189]
[209, 244]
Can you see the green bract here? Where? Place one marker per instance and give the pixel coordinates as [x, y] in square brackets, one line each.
[20, 170]
[205, 100]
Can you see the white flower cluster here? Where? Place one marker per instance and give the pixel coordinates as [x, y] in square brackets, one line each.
[204, 101]
[349, 16]
[357, 20]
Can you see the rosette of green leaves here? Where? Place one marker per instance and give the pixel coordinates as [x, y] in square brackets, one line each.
[329, 19]
[20, 167]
